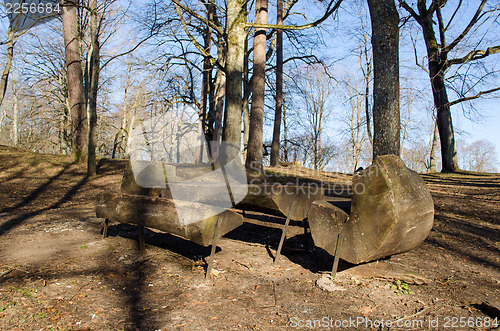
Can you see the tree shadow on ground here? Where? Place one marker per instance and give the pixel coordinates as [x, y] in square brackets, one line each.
[163, 240]
[298, 247]
[37, 192]
[132, 285]
[481, 180]
[16, 221]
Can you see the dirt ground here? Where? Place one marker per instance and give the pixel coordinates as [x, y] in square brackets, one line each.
[56, 272]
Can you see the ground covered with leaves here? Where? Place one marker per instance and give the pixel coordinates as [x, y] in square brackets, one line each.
[56, 272]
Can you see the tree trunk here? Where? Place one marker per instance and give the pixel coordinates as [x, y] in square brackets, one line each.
[255, 140]
[206, 84]
[367, 96]
[285, 137]
[432, 157]
[385, 46]
[275, 145]
[443, 113]
[215, 116]
[120, 136]
[236, 18]
[15, 121]
[219, 107]
[8, 64]
[246, 101]
[65, 121]
[75, 79]
[93, 74]
[445, 125]
[207, 67]
[218, 91]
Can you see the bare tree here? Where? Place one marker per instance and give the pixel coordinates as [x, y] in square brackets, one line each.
[354, 118]
[17, 22]
[439, 63]
[479, 156]
[315, 97]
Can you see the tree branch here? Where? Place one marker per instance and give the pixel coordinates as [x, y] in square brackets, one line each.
[453, 16]
[473, 21]
[474, 96]
[329, 11]
[410, 10]
[200, 48]
[442, 36]
[476, 54]
[198, 16]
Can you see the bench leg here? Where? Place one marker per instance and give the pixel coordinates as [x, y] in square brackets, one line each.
[105, 228]
[142, 244]
[214, 247]
[305, 224]
[337, 254]
[283, 235]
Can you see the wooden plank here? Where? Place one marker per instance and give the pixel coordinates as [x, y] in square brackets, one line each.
[212, 251]
[162, 214]
[277, 199]
[283, 235]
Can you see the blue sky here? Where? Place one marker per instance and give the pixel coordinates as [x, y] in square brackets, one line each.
[486, 128]
[338, 37]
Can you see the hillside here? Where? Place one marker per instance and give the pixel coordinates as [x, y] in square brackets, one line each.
[57, 273]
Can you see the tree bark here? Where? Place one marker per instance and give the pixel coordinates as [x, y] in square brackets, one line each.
[75, 77]
[385, 46]
[236, 18]
[275, 145]
[255, 140]
[92, 87]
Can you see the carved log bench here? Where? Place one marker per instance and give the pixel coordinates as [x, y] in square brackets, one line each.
[391, 212]
[193, 215]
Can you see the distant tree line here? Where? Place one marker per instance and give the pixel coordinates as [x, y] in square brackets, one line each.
[81, 82]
